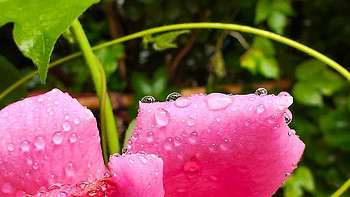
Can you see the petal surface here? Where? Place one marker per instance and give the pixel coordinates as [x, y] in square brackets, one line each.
[220, 145]
[47, 139]
[131, 175]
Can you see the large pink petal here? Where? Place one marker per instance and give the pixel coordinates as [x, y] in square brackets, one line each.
[220, 145]
[47, 139]
[134, 175]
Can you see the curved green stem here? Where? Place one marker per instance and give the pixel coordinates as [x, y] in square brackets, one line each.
[109, 132]
[342, 189]
[234, 27]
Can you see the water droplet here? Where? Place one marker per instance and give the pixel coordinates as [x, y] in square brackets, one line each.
[57, 102]
[36, 165]
[173, 96]
[177, 141]
[39, 142]
[190, 120]
[148, 99]
[57, 138]
[76, 121]
[260, 109]
[66, 116]
[212, 147]
[193, 137]
[73, 138]
[288, 116]
[261, 91]
[291, 132]
[162, 117]
[217, 101]
[131, 161]
[25, 146]
[66, 126]
[192, 169]
[40, 99]
[69, 169]
[125, 150]
[283, 94]
[287, 175]
[168, 144]
[11, 147]
[7, 188]
[224, 144]
[214, 178]
[143, 159]
[218, 119]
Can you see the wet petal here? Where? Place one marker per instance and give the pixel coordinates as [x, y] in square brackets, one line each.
[220, 145]
[47, 139]
[131, 175]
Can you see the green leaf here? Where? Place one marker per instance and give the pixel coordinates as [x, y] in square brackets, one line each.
[109, 58]
[8, 76]
[160, 80]
[284, 6]
[38, 24]
[264, 45]
[301, 179]
[262, 11]
[310, 69]
[250, 61]
[141, 83]
[269, 68]
[129, 131]
[165, 41]
[277, 21]
[218, 63]
[306, 94]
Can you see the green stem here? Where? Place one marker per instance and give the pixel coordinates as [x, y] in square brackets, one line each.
[342, 189]
[98, 78]
[233, 27]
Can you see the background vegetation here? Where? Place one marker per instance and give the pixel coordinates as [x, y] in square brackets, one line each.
[214, 60]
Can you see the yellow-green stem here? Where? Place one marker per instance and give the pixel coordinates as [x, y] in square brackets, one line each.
[109, 133]
[342, 189]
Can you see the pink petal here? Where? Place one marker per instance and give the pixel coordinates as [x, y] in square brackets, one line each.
[133, 175]
[47, 139]
[220, 145]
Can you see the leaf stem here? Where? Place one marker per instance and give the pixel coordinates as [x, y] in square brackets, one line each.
[342, 189]
[226, 26]
[108, 129]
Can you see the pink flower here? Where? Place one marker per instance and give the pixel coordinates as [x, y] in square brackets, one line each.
[51, 143]
[220, 145]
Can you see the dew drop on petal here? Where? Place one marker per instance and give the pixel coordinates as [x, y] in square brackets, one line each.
[39, 142]
[76, 121]
[73, 138]
[193, 137]
[40, 99]
[182, 102]
[162, 117]
[283, 94]
[291, 132]
[66, 126]
[192, 169]
[217, 101]
[143, 159]
[260, 109]
[6, 188]
[36, 165]
[177, 141]
[168, 144]
[131, 161]
[57, 138]
[69, 169]
[190, 120]
[11, 147]
[148, 99]
[261, 91]
[288, 116]
[25, 146]
[173, 96]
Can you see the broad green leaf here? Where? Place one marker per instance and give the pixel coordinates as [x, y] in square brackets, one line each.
[284, 6]
[306, 94]
[250, 61]
[38, 24]
[310, 69]
[277, 22]
[166, 40]
[9, 75]
[269, 68]
[218, 63]
[109, 58]
[264, 45]
[141, 83]
[262, 11]
[129, 131]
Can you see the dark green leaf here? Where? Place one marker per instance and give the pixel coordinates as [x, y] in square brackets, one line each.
[38, 24]
[8, 76]
[262, 11]
[277, 21]
[165, 41]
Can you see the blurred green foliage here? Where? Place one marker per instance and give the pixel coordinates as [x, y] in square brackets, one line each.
[213, 57]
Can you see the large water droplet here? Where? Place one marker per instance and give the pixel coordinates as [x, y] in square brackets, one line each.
[11, 147]
[162, 117]
[6, 188]
[66, 126]
[57, 138]
[291, 132]
[168, 144]
[173, 96]
[288, 116]
[192, 169]
[25, 146]
[217, 101]
[182, 102]
[283, 94]
[148, 99]
[193, 137]
[39, 142]
[261, 91]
